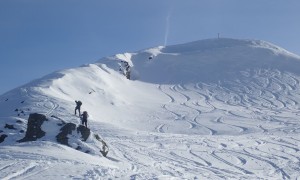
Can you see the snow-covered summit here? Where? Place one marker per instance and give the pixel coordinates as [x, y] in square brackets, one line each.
[221, 43]
[208, 60]
[166, 120]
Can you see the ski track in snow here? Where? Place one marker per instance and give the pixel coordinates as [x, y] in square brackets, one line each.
[230, 159]
[249, 158]
[217, 157]
[173, 155]
[208, 156]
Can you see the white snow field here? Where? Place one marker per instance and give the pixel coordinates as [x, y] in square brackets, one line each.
[210, 109]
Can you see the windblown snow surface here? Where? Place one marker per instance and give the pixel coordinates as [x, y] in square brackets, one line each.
[210, 109]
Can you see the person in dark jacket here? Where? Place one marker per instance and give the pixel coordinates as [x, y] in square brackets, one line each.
[78, 104]
[84, 118]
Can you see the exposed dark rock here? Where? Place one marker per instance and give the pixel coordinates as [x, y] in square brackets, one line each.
[6, 99]
[22, 102]
[34, 130]
[97, 137]
[65, 137]
[2, 137]
[60, 124]
[104, 153]
[8, 126]
[105, 148]
[1, 131]
[62, 137]
[92, 91]
[85, 132]
[17, 110]
[19, 121]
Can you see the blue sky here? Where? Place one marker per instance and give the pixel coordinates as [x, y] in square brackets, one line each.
[38, 37]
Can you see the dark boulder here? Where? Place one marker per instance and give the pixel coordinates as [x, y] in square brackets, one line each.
[2, 137]
[19, 122]
[68, 128]
[62, 137]
[8, 126]
[85, 132]
[34, 130]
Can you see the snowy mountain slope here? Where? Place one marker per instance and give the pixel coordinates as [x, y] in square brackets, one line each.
[213, 109]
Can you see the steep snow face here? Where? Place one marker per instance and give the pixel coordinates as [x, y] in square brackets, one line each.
[165, 122]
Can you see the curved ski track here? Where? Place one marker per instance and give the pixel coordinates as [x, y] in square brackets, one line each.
[232, 130]
[252, 110]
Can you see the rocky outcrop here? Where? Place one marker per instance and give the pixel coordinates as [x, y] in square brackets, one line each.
[9, 126]
[105, 148]
[2, 137]
[84, 131]
[67, 129]
[69, 134]
[34, 130]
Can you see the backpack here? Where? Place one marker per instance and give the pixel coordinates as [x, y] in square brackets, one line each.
[79, 103]
[84, 115]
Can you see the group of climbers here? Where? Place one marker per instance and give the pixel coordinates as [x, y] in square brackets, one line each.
[84, 116]
[125, 70]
